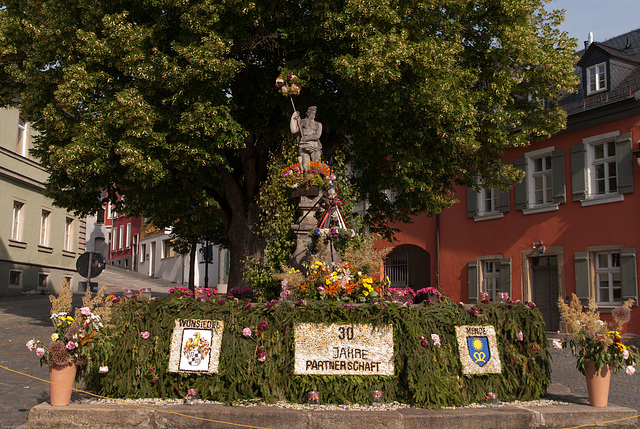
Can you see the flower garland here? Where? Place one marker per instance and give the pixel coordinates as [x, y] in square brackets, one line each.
[318, 175]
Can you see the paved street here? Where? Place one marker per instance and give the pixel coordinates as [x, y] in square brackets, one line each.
[27, 316]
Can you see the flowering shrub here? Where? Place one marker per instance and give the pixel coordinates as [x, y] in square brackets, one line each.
[180, 292]
[318, 175]
[73, 335]
[594, 339]
[241, 293]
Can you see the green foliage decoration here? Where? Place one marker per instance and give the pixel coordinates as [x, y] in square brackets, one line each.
[425, 375]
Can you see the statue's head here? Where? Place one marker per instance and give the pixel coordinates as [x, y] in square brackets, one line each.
[311, 111]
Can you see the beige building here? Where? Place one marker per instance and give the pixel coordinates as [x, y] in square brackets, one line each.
[39, 243]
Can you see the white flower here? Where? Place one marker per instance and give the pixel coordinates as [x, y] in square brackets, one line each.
[625, 354]
[31, 344]
[103, 369]
[557, 345]
[630, 370]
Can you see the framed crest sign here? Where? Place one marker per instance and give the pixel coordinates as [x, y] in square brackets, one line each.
[478, 349]
[195, 346]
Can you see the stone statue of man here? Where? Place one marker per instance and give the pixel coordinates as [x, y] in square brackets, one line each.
[308, 132]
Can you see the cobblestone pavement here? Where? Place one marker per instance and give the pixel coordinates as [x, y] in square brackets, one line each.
[27, 316]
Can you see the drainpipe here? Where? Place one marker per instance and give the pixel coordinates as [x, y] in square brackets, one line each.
[438, 250]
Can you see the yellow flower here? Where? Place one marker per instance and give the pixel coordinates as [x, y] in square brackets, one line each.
[365, 292]
[54, 336]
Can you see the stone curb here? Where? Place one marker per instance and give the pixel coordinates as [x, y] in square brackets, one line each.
[110, 416]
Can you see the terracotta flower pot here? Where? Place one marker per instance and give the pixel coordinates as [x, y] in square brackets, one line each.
[61, 385]
[598, 384]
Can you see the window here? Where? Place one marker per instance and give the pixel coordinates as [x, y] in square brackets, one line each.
[489, 203]
[17, 225]
[23, 144]
[597, 78]
[43, 282]
[490, 274]
[121, 237]
[543, 187]
[114, 236]
[68, 234]
[143, 252]
[45, 219]
[397, 268]
[607, 273]
[100, 216]
[128, 241]
[15, 279]
[167, 249]
[491, 278]
[541, 180]
[602, 168]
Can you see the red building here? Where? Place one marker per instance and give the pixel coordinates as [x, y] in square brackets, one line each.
[571, 226]
[124, 236]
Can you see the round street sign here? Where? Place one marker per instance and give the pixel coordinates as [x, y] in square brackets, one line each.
[93, 259]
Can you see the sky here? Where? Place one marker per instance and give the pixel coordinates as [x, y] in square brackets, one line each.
[606, 19]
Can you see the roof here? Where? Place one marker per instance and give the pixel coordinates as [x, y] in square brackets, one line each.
[624, 48]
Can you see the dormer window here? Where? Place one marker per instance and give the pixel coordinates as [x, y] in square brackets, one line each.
[597, 78]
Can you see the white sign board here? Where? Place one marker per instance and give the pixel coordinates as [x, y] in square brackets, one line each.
[195, 346]
[478, 349]
[343, 349]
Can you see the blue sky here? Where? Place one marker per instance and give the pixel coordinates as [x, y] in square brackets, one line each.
[606, 19]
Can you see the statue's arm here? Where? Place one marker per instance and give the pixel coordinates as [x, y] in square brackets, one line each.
[293, 123]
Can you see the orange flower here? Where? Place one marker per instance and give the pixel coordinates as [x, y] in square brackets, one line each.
[332, 289]
[351, 287]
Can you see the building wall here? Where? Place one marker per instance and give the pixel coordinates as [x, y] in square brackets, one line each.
[571, 229]
[38, 264]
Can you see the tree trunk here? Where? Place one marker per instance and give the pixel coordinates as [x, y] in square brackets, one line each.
[192, 266]
[244, 244]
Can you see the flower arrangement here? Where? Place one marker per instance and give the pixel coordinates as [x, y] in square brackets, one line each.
[340, 283]
[596, 340]
[318, 175]
[180, 292]
[73, 335]
[289, 84]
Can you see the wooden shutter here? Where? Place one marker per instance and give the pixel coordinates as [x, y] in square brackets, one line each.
[628, 274]
[472, 203]
[557, 171]
[472, 282]
[624, 162]
[521, 188]
[581, 261]
[578, 173]
[505, 275]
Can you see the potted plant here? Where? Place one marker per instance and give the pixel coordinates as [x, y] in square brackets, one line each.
[73, 336]
[597, 345]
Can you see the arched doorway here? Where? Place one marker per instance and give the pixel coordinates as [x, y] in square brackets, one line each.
[408, 266]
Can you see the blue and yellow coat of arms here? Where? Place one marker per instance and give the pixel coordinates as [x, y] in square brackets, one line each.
[479, 351]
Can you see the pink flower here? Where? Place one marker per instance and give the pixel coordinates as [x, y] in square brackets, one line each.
[520, 336]
[71, 345]
[625, 354]
[630, 370]
[436, 339]
[557, 345]
[31, 344]
[39, 351]
[85, 311]
[155, 379]
[103, 369]
[246, 332]
[144, 335]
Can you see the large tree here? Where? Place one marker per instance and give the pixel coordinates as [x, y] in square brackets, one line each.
[172, 102]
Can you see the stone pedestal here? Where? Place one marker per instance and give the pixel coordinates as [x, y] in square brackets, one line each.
[308, 205]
